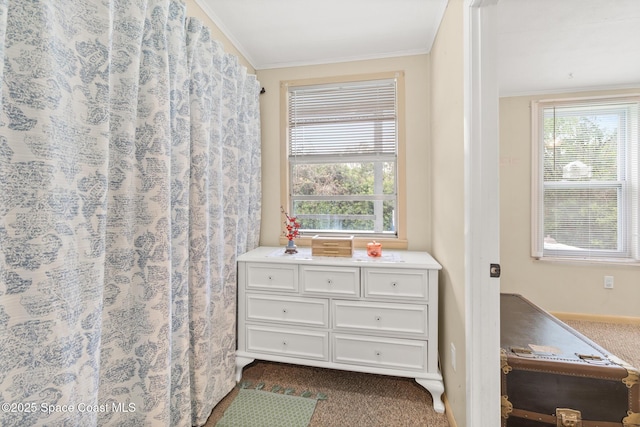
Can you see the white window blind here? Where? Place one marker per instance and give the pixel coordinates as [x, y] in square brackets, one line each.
[587, 179]
[350, 119]
[342, 145]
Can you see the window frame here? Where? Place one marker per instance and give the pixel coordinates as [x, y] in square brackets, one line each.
[400, 240]
[628, 251]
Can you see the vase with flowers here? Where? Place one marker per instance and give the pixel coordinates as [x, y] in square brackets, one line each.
[292, 227]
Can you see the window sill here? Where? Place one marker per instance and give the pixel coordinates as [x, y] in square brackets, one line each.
[358, 242]
[617, 262]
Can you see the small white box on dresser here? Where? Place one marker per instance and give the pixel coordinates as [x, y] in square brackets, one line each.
[375, 315]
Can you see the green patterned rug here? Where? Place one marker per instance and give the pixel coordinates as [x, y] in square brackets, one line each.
[258, 408]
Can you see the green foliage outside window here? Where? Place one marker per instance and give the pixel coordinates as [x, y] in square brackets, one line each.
[582, 178]
[347, 181]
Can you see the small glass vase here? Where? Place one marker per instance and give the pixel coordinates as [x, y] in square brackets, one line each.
[291, 248]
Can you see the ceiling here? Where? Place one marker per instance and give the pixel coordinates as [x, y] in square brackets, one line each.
[284, 33]
[561, 45]
[543, 45]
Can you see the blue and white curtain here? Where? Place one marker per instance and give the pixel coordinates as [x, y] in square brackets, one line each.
[129, 183]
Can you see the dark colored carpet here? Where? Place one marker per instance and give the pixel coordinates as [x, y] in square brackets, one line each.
[356, 399]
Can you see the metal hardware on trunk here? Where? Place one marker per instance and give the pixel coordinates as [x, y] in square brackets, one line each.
[506, 406]
[631, 420]
[633, 374]
[593, 359]
[589, 357]
[522, 351]
[566, 417]
[504, 363]
[633, 378]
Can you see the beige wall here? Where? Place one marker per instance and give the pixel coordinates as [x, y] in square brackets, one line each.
[447, 169]
[416, 70]
[571, 288]
[194, 10]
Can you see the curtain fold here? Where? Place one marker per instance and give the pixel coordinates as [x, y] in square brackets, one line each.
[130, 177]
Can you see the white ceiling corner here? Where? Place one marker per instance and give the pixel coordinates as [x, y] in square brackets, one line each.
[545, 46]
[208, 8]
[285, 33]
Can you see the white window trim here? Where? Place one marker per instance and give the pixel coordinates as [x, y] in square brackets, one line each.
[537, 189]
[400, 240]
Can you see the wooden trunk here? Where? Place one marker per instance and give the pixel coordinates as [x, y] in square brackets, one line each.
[554, 376]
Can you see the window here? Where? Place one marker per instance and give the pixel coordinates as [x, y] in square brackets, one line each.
[342, 152]
[585, 179]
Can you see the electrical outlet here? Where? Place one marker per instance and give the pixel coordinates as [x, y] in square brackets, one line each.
[608, 282]
[453, 357]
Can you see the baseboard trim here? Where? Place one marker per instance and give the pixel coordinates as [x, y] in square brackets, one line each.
[597, 318]
[448, 412]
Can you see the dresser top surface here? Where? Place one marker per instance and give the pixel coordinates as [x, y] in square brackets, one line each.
[389, 258]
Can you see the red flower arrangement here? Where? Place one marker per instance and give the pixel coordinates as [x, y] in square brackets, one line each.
[292, 225]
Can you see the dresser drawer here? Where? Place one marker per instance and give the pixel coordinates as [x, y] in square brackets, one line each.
[300, 311]
[396, 283]
[325, 280]
[288, 342]
[274, 277]
[381, 317]
[380, 352]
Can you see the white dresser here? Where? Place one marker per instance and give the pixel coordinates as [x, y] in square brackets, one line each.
[376, 315]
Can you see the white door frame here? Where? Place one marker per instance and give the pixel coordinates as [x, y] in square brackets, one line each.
[482, 209]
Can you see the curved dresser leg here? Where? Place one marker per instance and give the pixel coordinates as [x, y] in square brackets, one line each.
[436, 388]
[241, 362]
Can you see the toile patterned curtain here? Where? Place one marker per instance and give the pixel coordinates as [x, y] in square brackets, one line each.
[129, 183]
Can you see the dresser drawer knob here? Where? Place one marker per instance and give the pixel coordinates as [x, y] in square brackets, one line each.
[378, 318]
[270, 277]
[284, 342]
[394, 284]
[378, 353]
[330, 282]
[284, 310]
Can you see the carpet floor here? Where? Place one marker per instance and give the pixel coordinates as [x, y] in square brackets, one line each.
[357, 399]
[354, 399]
[621, 339]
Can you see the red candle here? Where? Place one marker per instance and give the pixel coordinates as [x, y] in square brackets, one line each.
[374, 249]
